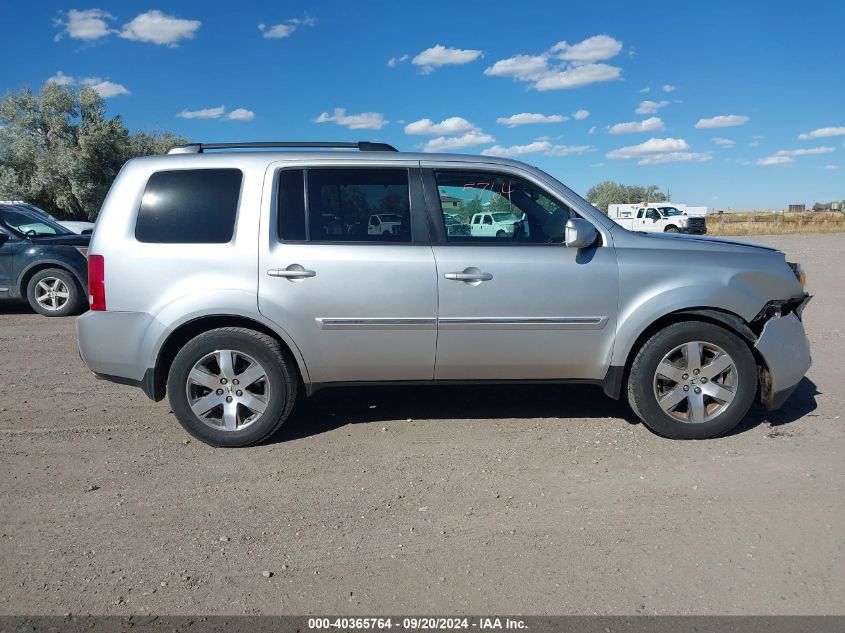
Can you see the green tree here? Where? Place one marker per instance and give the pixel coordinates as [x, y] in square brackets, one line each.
[607, 192]
[59, 150]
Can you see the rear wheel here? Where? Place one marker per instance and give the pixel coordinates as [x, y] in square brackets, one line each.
[232, 387]
[54, 292]
[692, 380]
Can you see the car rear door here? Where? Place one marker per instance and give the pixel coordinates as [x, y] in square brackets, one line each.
[362, 305]
[517, 306]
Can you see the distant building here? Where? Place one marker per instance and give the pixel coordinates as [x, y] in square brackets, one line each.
[449, 203]
[797, 208]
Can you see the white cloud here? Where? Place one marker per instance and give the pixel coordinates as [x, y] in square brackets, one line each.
[520, 67]
[564, 66]
[653, 124]
[810, 151]
[238, 114]
[592, 130]
[831, 167]
[91, 24]
[593, 49]
[445, 143]
[539, 145]
[241, 114]
[527, 118]
[206, 113]
[106, 89]
[775, 160]
[725, 120]
[823, 132]
[517, 150]
[650, 107]
[658, 150]
[61, 79]
[452, 125]
[566, 150]
[644, 90]
[578, 76]
[393, 62]
[668, 88]
[284, 29]
[580, 115]
[432, 58]
[724, 142]
[362, 121]
[156, 27]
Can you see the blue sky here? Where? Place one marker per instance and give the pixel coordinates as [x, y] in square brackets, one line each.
[726, 104]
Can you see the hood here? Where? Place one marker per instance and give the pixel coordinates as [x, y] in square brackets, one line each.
[73, 239]
[702, 240]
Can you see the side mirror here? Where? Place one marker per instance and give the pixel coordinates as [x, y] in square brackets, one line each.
[580, 233]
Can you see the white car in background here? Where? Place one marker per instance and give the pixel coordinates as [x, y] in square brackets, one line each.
[492, 224]
[383, 224]
[75, 226]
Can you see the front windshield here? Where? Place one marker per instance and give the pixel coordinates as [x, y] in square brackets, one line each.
[30, 225]
[670, 211]
[503, 217]
[387, 217]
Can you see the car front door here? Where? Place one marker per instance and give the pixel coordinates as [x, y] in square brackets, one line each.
[7, 247]
[521, 305]
[360, 307]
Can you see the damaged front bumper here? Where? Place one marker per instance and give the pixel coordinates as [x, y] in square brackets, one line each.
[785, 351]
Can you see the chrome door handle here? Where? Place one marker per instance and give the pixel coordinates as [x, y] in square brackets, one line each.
[469, 275]
[294, 271]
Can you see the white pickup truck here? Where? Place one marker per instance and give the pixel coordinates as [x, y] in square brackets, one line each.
[656, 218]
[492, 224]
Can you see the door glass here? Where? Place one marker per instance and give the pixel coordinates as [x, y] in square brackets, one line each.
[359, 205]
[498, 208]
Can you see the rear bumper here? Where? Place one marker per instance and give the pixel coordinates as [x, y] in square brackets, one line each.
[785, 350]
[118, 346]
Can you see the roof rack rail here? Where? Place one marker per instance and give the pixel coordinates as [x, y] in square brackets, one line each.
[363, 146]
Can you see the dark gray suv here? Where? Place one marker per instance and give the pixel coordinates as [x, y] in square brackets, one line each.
[42, 262]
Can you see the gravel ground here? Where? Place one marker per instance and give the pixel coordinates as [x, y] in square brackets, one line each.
[528, 499]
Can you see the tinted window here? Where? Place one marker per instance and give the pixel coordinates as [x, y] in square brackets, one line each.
[359, 205]
[498, 208]
[292, 205]
[189, 206]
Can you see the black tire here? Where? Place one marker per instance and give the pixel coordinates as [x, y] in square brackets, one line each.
[641, 381]
[65, 283]
[281, 380]
[500, 233]
[672, 229]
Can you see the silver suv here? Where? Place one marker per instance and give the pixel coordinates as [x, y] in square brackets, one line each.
[233, 280]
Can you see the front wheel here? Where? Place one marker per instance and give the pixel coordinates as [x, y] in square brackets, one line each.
[232, 387]
[672, 229]
[692, 380]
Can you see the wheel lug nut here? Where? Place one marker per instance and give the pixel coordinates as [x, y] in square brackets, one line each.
[235, 381]
[223, 381]
[219, 392]
[685, 376]
[228, 398]
[698, 390]
[696, 371]
[703, 380]
[686, 387]
[239, 393]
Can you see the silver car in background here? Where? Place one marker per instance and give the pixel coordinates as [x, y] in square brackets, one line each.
[232, 280]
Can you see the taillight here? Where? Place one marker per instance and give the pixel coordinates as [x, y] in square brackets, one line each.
[96, 282]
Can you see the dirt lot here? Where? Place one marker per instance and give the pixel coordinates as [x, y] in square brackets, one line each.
[538, 500]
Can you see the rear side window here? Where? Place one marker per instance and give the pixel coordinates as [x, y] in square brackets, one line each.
[359, 205]
[292, 205]
[189, 206]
